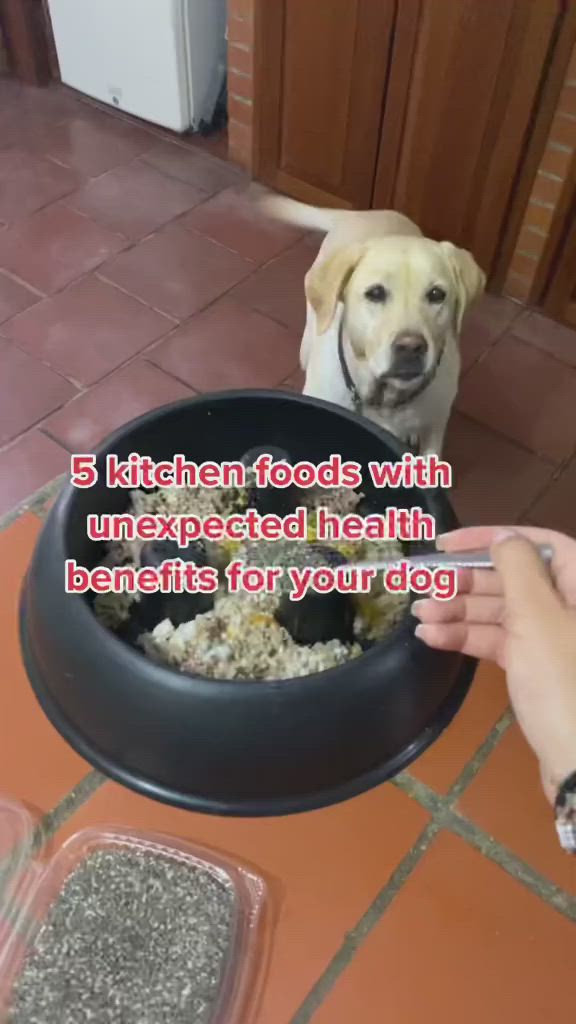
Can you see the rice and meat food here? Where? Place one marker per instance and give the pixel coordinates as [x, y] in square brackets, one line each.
[253, 636]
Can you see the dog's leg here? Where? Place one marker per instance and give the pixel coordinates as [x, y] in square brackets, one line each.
[432, 439]
[308, 337]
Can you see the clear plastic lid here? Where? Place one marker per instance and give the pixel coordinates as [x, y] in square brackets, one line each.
[16, 841]
[49, 904]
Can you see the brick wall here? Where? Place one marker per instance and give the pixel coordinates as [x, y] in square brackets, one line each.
[240, 80]
[548, 183]
[546, 192]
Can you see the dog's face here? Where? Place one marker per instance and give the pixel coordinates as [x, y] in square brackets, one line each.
[403, 298]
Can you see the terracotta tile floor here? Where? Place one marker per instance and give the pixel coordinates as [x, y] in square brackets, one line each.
[132, 273]
[93, 205]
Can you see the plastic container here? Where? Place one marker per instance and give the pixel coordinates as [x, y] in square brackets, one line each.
[30, 886]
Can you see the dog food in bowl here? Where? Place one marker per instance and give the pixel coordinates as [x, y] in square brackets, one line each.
[250, 636]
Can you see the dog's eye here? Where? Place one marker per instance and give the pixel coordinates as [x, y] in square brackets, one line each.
[377, 293]
[436, 295]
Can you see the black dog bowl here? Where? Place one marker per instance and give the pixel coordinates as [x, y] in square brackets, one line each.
[227, 747]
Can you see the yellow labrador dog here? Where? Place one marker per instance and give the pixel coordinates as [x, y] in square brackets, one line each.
[384, 308]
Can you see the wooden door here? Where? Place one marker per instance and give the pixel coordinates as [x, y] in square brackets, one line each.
[321, 76]
[25, 30]
[465, 83]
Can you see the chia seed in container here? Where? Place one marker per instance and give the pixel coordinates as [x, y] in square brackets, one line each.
[134, 932]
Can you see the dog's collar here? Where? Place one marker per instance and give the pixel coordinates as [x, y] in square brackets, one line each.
[350, 385]
[401, 399]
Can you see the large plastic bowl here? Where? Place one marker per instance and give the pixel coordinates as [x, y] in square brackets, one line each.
[225, 747]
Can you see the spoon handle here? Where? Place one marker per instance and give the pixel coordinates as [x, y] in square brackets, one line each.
[480, 559]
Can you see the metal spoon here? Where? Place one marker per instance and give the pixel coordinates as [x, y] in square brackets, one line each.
[480, 559]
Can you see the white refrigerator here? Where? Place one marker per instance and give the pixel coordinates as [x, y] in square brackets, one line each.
[161, 60]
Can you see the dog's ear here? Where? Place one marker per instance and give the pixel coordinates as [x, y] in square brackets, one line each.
[470, 279]
[325, 283]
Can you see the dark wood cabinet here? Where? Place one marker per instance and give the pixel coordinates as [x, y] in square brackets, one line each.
[25, 29]
[476, 70]
[424, 106]
[322, 68]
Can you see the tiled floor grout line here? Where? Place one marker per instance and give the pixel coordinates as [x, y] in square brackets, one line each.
[489, 347]
[132, 244]
[112, 284]
[437, 806]
[355, 938]
[559, 470]
[473, 766]
[548, 891]
[513, 441]
[35, 503]
[443, 817]
[254, 269]
[447, 817]
[509, 330]
[120, 116]
[21, 281]
[82, 389]
[51, 202]
[44, 828]
[81, 793]
[450, 819]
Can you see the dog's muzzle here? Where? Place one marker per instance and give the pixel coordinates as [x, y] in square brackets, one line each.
[409, 357]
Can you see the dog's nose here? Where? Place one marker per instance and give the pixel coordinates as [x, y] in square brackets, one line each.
[408, 344]
[409, 351]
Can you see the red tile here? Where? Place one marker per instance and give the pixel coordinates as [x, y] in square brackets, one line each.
[485, 704]
[176, 271]
[228, 346]
[55, 246]
[215, 144]
[36, 766]
[28, 464]
[51, 102]
[94, 143]
[87, 330]
[29, 130]
[28, 182]
[14, 297]
[507, 801]
[524, 394]
[28, 391]
[29, 115]
[124, 395]
[551, 337]
[277, 290]
[495, 481]
[135, 199]
[484, 324]
[462, 941]
[555, 508]
[233, 219]
[324, 869]
[194, 166]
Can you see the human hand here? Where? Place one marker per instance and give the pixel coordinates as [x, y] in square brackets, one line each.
[523, 617]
